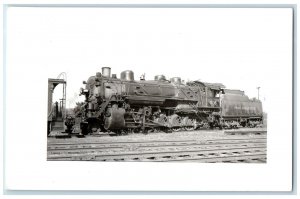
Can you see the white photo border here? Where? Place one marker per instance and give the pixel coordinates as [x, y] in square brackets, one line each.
[294, 126]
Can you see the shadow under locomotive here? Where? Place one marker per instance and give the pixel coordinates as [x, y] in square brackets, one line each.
[125, 105]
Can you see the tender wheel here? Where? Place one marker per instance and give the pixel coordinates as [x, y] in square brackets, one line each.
[189, 128]
[176, 129]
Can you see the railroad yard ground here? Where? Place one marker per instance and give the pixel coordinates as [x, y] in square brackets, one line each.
[207, 146]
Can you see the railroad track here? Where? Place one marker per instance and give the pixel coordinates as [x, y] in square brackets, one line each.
[218, 150]
[241, 132]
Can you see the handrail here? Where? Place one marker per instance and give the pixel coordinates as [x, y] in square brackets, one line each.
[51, 111]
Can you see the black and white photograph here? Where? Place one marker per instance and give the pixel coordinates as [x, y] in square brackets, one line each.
[123, 119]
[159, 90]
[148, 92]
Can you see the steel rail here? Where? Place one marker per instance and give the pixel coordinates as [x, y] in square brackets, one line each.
[151, 141]
[126, 154]
[153, 145]
[230, 158]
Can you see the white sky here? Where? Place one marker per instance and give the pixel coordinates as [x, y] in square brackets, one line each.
[241, 48]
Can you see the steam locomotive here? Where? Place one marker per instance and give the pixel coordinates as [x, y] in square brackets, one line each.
[126, 105]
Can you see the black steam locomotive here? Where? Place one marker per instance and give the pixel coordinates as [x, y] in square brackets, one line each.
[125, 105]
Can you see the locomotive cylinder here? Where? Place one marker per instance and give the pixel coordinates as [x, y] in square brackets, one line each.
[127, 75]
[106, 71]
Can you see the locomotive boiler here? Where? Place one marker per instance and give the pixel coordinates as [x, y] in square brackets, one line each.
[128, 105]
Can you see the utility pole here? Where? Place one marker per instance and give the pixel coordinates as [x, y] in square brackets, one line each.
[258, 92]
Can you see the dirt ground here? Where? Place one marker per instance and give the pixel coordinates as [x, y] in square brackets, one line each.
[200, 135]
